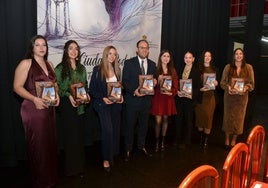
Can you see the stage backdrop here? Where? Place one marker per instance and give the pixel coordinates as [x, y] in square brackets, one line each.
[95, 24]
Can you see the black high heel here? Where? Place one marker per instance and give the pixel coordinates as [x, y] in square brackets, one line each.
[163, 143]
[106, 166]
[156, 147]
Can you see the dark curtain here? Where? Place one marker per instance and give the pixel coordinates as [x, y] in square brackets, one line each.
[254, 27]
[187, 25]
[18, 25]
[190, 25]
[255, 12]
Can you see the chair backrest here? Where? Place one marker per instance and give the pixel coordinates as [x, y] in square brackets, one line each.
[203, 176]
[265, 173]
[235, 167]
[255, 143]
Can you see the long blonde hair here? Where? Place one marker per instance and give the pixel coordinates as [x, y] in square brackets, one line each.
[104, 64]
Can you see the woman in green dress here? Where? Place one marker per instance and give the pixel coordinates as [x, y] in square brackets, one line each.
[71, 112]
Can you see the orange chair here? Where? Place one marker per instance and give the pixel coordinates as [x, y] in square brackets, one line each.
[203, 176]
[235, 167]
[265, 173]
[255, 143]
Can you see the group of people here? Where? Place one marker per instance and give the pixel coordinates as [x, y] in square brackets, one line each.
[39, 118]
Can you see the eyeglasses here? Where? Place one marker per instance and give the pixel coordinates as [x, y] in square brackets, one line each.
[143, 48]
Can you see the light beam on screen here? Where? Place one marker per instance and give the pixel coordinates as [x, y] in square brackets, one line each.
[264, 39]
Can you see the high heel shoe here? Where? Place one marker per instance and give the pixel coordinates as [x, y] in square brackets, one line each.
[227, 145]
[156, 147]
[106, 166]
[163, 143]
[232, 144]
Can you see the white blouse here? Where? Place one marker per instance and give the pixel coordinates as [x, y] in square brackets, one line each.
[111, 79]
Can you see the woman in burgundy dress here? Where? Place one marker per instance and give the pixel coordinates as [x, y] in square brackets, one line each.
[163, 103]
[38, 116]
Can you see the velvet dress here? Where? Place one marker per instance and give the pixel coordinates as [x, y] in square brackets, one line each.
[164, 104]
[204, 110]
[235, 105]
[40, 131]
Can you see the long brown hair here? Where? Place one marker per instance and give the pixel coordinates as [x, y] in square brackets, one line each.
[244, 72]
[170, 65]
[201, 61]
[104, 64]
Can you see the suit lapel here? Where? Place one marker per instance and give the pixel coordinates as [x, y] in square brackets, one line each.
[149, 67]
[137, 65]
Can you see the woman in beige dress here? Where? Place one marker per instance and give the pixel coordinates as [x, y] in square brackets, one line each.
[235, 102]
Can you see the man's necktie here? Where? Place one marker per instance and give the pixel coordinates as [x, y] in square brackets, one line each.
[142, 67]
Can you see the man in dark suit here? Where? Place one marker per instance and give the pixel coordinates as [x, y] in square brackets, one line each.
[137, 105]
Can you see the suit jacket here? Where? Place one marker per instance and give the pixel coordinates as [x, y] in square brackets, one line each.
[98, 89]
[130, 80]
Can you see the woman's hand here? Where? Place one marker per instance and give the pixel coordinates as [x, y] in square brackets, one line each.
[73, 102]
[57, 100]
[107, 101]
[215, 83]
[180, 94]
[39, 103]
[121, 101]
[88, 98]
[204, 89]
[245, 89]
[230, 90]
[155, 82]
[167, 93]
[137, 93]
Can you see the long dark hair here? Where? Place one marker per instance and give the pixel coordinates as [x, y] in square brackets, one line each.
[243, 60]
[233, 67]
[66, 64]
[30, 54]
[201, 61]
[170, 65]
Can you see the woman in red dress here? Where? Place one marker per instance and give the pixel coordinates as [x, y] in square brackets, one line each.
[39, 119]
[163, 103]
